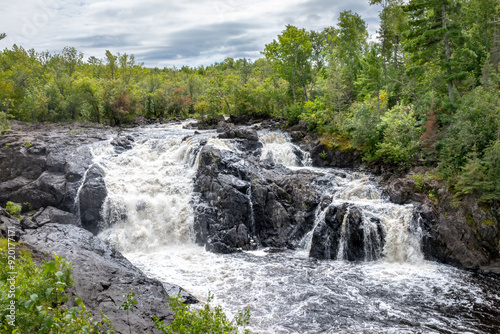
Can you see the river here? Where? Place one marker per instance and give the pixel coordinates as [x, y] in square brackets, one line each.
[149, 217]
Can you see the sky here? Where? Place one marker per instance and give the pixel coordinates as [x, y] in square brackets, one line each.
[167, 33]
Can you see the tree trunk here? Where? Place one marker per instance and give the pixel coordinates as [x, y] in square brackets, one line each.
[292, 84]
[303, 84]
[447, 51]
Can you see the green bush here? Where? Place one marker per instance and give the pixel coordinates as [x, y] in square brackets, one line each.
[34, 298]
[293, 113]
[206, 320]
[474, 127]
[4, 122]
[13, 208]
[363, 128]
[400, 135]
[481, 176]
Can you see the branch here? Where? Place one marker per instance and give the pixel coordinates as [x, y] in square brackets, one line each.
[406, 87]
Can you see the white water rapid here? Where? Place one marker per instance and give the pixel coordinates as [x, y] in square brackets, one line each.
[149, 218]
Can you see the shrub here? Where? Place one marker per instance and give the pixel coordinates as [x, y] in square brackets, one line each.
[38, 294]
[474, 127]
[206, 320]
[400, 135]
[4, 122]
[481, 176]
[363, 128]
[293, 113]
[14, 209]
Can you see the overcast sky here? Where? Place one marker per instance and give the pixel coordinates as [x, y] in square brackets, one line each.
[167, 33]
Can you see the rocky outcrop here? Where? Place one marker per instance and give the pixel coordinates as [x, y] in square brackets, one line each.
[246, 138]
[46, 164]
[463, 233]
[322, 156]
[122, 142]
[91, 199]
[101, 274]
[347, 219]
[245, 203]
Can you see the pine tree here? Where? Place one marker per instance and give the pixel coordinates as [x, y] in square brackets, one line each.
[435, 36]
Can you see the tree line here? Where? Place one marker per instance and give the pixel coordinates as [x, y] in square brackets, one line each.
[424, 92]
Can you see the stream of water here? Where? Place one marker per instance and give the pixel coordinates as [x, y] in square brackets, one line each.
[149, 218]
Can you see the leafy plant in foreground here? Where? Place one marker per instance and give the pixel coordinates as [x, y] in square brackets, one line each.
[33, 298]
[129, 305]
[206, 320]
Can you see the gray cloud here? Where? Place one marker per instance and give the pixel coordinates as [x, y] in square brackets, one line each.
[169, 33]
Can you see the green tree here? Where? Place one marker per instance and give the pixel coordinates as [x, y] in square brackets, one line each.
[400, 135]
[435, 38]
[348, 43]
[290, 56]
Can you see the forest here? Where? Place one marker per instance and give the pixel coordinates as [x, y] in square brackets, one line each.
[424, 91]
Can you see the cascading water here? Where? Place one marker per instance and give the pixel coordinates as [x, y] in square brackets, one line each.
[149, 217]
[278, 148]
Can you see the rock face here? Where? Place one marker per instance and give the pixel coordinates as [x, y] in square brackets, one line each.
[328, 239]
[91, 198]
[322, 156]
[45, 165]
[245, 203]
[463, 234]
[101, 274]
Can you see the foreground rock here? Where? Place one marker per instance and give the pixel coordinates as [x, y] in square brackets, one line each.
[101, 274]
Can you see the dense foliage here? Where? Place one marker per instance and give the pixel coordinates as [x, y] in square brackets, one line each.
[208, 319]
[34, 298]
[426, 91]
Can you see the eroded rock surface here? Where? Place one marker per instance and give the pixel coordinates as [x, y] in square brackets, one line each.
[245, 203]
[46, 164]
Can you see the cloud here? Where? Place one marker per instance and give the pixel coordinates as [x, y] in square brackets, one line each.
[162, 33]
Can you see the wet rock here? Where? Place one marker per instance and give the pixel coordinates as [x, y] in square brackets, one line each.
[122, 142]
[462, 234]
[102, 276]
[243, 205]
[56, 216]
[43, 165]
[322, 156]
[344, 235]
[91, 199]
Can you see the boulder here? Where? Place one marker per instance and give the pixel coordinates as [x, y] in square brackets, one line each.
[54, 215]
[91, 199]
[122, 142]
[344, 235]
[243, 204]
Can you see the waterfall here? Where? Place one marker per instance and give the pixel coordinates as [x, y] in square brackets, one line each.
[278, 148]
[149, 192]
[341, 253]
[76, 204]
[149, 217]
[379, 229]
[252, 216]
